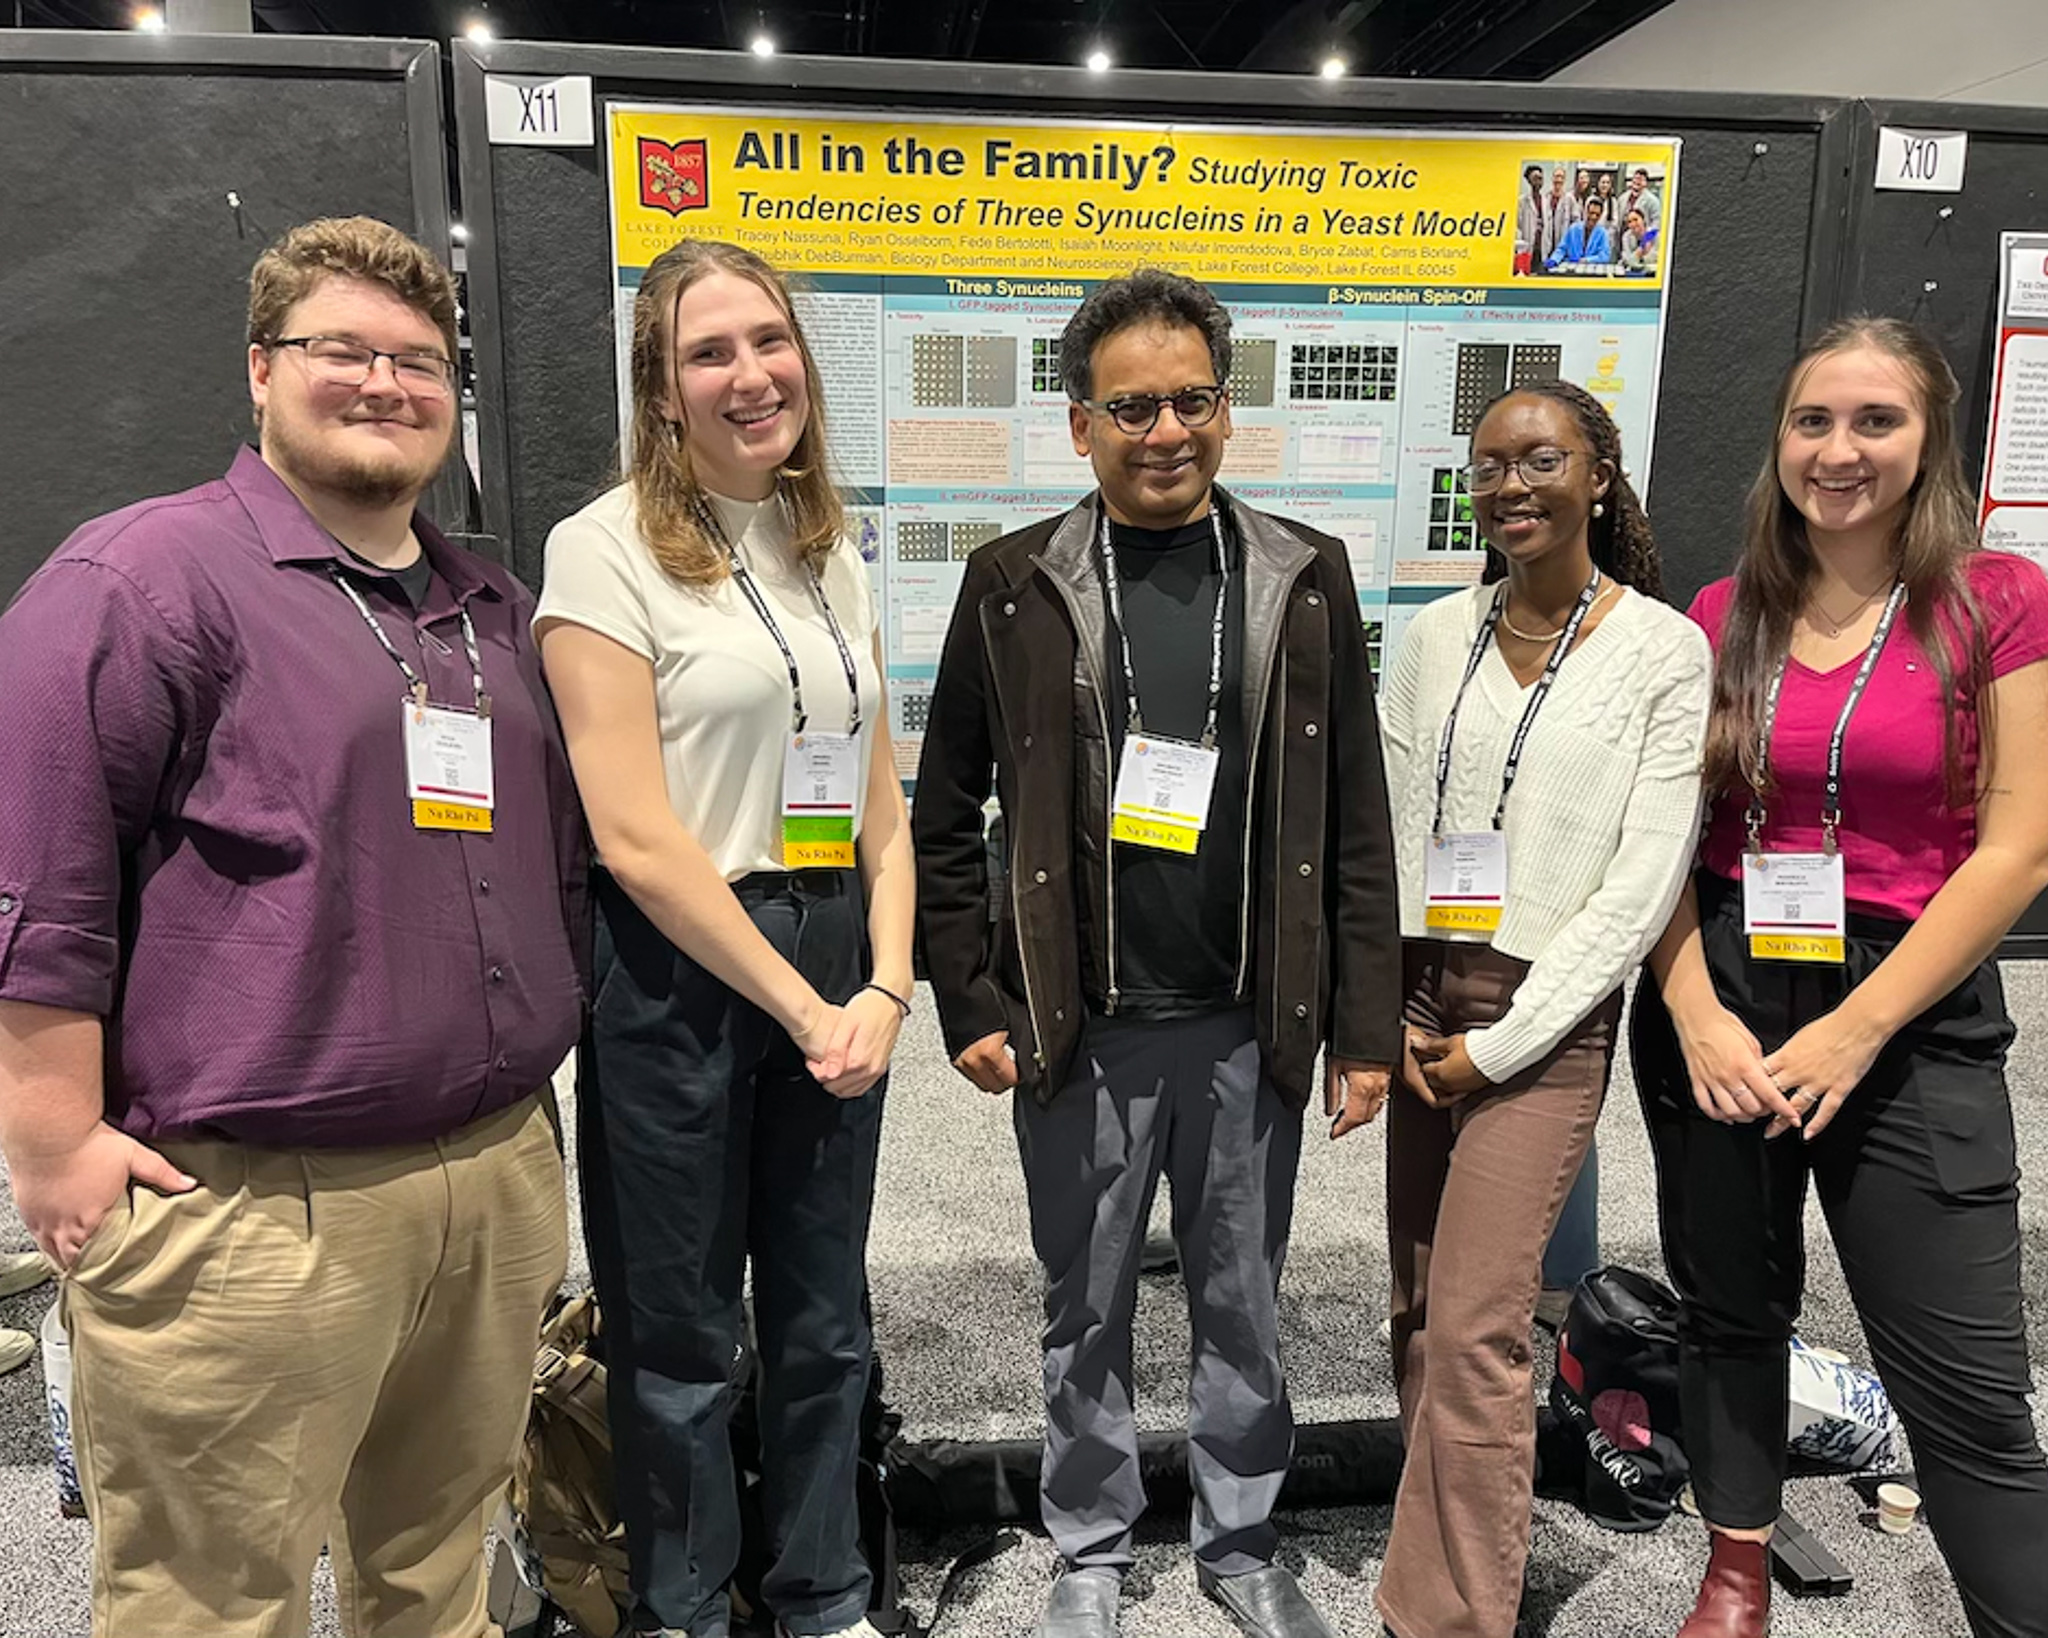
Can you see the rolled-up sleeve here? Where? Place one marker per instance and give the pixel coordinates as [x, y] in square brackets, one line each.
[94, 703]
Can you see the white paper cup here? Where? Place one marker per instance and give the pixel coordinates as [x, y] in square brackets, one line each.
[1898, 1506]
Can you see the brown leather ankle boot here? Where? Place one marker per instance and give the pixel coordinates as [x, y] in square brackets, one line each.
[1735, 1596]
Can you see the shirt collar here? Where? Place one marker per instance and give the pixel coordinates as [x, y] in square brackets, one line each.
[292, 535]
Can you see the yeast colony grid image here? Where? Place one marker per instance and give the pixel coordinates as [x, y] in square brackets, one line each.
[1371, 279]
[1344, 371]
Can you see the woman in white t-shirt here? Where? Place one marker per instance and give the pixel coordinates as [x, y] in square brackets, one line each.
[1543, 738]
[710, 637]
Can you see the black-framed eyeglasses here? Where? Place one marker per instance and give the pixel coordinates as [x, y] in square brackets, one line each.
[1136, 412]
[347, 363]
[1540, 468]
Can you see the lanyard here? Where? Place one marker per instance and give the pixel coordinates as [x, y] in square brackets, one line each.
[415, 684]
[1480, 644]
[1113, 587]
[1831, 796]
[744, 579]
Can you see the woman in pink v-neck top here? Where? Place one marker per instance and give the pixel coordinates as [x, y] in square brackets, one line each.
[1900, 837]
[1854, 1047]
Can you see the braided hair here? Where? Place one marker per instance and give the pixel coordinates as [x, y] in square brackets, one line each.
[1621, 541]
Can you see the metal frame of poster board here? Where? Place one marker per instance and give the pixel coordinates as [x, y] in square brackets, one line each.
[182, 267]
[540, 281]
[1933, 258]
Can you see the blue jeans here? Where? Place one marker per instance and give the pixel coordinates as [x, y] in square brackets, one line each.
[1574, 1249]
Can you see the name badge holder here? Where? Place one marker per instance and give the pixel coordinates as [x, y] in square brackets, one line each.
[450, 776]
[821, 787]
[1465, 872]
[1795, 905]
[1163, 786]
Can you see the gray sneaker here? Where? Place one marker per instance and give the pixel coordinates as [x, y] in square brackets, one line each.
[1082, 1605]
[22, 1271]
[17, 1348]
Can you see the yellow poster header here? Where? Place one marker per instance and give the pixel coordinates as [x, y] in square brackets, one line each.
[850, 193]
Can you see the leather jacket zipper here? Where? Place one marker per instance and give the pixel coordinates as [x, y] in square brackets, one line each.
[1112, 998]
[1251, 765]
[1016, 901]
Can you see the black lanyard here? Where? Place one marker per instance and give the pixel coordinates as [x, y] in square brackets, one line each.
[416, 685]
[1480, 645]
[744, 579]
[1831, 795]
[1112, 586]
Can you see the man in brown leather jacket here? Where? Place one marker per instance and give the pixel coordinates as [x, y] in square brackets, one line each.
[1171, 692]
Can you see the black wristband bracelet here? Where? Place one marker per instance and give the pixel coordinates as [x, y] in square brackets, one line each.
[902, 1005]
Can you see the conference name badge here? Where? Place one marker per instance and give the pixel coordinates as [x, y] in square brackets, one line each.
[1163, 788]
[1465, 881]
[448, 771]
[1794, 907]
[820, 798]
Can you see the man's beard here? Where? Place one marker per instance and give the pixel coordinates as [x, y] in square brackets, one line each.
[387, 482]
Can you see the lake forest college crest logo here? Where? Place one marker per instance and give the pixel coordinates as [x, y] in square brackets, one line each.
[674, 178]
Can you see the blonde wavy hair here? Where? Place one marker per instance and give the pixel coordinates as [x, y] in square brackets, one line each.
[666, 490]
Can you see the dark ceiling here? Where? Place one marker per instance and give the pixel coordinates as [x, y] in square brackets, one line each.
[1466, 39]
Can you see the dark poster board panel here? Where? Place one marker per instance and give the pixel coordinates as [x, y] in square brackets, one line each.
[1740, 301]
[540, 278]
[124, 269]
[1933, 258]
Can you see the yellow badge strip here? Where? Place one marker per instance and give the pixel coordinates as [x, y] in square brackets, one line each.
[1830, 947]
[1159, 833]
[428, 815]
[1462, 918]
[815, 855]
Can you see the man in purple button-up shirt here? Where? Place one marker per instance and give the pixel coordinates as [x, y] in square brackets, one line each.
[275, 1011]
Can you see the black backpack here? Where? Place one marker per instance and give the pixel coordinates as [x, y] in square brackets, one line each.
[1616, 1390]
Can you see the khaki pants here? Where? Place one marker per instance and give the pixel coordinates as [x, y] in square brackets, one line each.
[312, 1347]
[1473, 1192]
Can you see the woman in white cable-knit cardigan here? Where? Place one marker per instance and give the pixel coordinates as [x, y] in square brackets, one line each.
[1543, 738]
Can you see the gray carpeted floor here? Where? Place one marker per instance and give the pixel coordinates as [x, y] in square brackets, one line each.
[956, 1295]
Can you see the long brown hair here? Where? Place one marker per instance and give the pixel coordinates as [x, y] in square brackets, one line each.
[666, 491]
[1620, 540]
[1934, 543]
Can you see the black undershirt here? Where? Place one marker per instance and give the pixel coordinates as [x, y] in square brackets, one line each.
[1177, 915]
[413, 580]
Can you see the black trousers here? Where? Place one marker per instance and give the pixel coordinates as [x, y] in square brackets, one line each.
[1918, 1178]
[705, 1142]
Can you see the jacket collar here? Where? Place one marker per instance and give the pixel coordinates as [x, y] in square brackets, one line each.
[1269, 550]
[1273, 556]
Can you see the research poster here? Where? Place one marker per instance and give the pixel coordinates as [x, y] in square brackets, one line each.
[2015, 499]
[1383, 286]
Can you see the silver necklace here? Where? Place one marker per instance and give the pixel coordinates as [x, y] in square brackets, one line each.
[1837, 627]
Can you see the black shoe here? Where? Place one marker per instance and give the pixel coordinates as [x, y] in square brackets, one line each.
[1265, 1603]
[1082, 1605]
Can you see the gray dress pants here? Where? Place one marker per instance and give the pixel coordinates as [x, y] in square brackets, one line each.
[1187, 1098]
